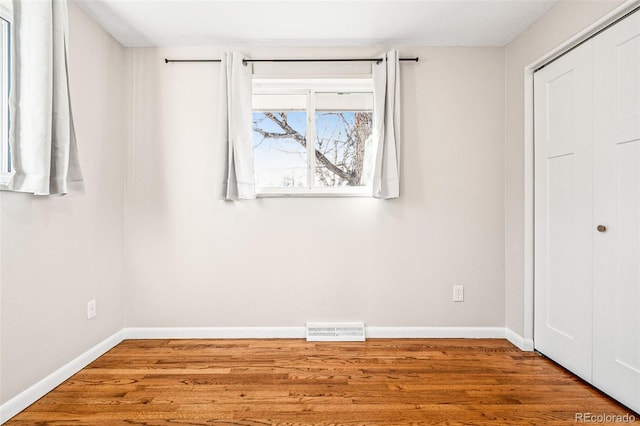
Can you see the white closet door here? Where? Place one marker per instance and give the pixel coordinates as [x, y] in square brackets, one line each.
[616, 363]
[563, 210]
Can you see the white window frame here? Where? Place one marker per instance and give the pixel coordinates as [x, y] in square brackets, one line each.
[5, 81]
[310, 88]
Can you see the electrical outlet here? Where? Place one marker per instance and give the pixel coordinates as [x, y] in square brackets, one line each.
[458, 293]
[91, 309]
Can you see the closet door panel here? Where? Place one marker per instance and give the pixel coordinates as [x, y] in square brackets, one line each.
[616, 318]
[563, 208]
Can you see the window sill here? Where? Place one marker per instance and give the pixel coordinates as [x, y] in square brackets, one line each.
[5, 178]
[293, 193]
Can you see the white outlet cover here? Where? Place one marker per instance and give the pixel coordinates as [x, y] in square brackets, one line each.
[91, 309]
[458, 293]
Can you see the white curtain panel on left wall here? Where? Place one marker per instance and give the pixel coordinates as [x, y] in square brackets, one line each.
[44, 153]
[235, 138]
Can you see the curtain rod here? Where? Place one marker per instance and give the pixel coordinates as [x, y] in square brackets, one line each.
[246, 61]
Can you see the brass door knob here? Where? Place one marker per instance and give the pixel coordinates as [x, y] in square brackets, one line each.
[601, 228]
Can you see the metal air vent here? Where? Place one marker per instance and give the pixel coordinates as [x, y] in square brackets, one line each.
[335, 332]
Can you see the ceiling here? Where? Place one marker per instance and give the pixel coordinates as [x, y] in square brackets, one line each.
[315, 22]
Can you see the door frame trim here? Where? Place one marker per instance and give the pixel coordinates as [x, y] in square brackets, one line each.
[529, 219]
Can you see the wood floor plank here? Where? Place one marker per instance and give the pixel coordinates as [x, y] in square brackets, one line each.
[294, 382]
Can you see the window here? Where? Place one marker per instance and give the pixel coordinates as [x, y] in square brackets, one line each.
[5, 63]
[312, 137]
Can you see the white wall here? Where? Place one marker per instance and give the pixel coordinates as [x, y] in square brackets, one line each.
[192, 260]
[59, 252]
[556, 26]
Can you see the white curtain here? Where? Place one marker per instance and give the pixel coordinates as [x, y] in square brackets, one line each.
[43, 142]
[235, 126]
[386, 119]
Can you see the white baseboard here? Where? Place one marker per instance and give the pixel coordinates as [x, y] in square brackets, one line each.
[299, 332]
[41, 388]
[214, 333]
[519, 341]
[44, 386]
[435, 332]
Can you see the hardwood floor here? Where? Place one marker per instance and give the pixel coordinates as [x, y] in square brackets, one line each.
[293, 382]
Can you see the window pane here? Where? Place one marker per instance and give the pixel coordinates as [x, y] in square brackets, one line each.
[341, 147]
[280, 156]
